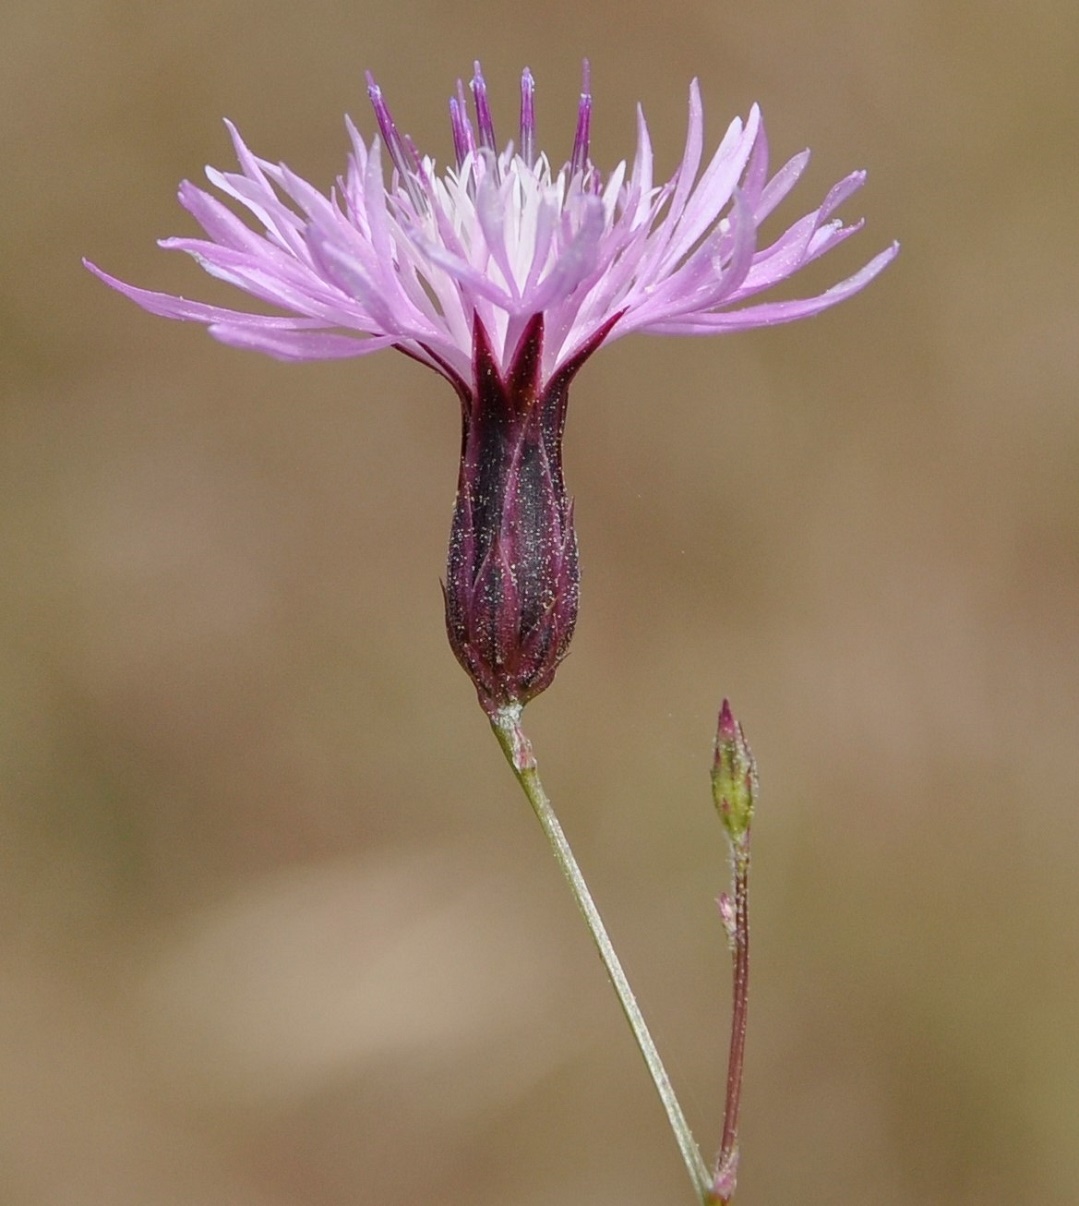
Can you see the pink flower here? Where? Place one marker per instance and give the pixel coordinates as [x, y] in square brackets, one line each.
[502, 236]
[504, 274]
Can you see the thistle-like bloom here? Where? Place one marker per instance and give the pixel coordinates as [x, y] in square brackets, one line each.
[504, 274]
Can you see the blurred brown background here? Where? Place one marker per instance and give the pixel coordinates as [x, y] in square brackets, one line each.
[275, 926]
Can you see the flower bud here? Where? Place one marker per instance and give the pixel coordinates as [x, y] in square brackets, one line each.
[512, 580]
[734, 777]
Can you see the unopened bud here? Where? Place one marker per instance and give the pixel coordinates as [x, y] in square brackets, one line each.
[734, 777]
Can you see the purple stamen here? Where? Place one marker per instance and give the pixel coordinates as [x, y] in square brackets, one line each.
[413, 152]
[461, 132]
[403, 154]
[528, 118]
[579, 160]
[386, 125]
[464, 140]
[484, 123]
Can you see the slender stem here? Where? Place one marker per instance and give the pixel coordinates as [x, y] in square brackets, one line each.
[727, 1160]
[518, 750]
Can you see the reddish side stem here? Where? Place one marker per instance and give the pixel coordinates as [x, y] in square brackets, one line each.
[727, 1160]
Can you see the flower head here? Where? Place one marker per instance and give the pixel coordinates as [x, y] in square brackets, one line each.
[504, 273]
[499, 237]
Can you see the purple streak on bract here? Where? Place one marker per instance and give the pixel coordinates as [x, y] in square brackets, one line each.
[512, 578]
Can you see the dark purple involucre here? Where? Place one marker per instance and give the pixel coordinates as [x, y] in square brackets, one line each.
[512, 581]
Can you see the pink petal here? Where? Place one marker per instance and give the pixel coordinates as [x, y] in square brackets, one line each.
[296, 345]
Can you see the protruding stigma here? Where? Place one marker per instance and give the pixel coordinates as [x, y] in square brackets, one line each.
[459, 127]
[579, 162]
[528, 118]
[403, 154]
[485, 127]
[464, 141]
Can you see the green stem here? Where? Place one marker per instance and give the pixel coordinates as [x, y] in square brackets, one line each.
[506, 723]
